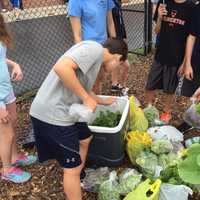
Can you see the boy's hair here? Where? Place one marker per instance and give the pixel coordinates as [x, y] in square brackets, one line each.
[117, 46]
[4, 35]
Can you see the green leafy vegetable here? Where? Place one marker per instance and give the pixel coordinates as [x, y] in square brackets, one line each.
[198, 108]
[166, 160]
[161, 146]
[151, 113]
[107, 119]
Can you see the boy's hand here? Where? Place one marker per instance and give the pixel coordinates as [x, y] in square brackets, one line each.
[196, 95]
[4, 117]
[188, 72]
[162, 10]
[90, 103]
[109, 101]
[17, 74]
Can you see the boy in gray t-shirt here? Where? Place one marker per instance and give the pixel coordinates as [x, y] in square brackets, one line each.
[58, 134]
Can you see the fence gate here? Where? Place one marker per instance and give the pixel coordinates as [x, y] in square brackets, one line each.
[138, 22]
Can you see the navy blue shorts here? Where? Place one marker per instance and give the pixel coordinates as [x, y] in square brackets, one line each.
[60, 142]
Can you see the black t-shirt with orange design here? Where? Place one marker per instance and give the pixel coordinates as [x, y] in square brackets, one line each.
[174, 31]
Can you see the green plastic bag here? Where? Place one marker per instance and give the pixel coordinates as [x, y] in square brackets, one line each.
[145, 191]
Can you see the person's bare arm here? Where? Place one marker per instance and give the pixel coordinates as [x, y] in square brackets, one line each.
[188, 71]
[65, 69]
[111, 25]
[76, 28]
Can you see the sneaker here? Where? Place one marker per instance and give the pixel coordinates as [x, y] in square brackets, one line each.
[16, 175]
[24, 160]
[124, 91]
[116, 88]
[165, 117]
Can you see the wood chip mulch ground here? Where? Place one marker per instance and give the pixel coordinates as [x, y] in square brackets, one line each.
[46, 182]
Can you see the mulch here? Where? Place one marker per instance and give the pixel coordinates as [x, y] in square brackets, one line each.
[46, 182]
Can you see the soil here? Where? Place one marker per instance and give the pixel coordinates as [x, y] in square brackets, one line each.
[46, 182]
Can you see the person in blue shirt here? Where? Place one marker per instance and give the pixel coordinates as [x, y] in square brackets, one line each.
[92, 20]
[8, 150]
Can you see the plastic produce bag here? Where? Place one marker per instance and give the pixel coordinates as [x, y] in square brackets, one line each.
[145, 191]
[152, 114]
[165, 132]
[137, 142]
[192, 116]
[94, 178]
[161, 146]
[137, 119]
[128, 180]
[109, 189]
[174, 192]
[80, 113]
[148, 163]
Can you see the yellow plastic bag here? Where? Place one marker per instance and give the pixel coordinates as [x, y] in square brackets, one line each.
[145, 191]
[136, 142]
[137, 119]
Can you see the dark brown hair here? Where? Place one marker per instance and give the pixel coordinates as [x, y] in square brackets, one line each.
[4, 35]
[117, 46]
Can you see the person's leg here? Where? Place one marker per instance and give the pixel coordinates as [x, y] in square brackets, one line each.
[11, 108]
[84, 145]
[150, 97]
[72, 184]
[6, 141]
[124, 73]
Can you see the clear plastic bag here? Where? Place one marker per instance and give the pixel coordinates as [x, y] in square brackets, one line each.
[148, 163]
[128, 180]
[80, 113]
[192, 117]
[109, 189]
[165, 132]
[94, 178]
[161, 146]
[174, 192]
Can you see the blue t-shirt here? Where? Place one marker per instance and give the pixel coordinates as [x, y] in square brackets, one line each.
[93, 15]
[5, 83]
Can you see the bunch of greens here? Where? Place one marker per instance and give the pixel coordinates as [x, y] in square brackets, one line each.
[129, 179]
[198, 108]
[107, 119]
[161, 146]
[166, 160]
[151, 113]
[109, 189]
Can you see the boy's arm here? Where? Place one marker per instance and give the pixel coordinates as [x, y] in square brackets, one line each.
[65, 69]
[76, 28]
[111, 25]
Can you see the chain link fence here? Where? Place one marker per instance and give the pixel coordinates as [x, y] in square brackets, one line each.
[42, 33]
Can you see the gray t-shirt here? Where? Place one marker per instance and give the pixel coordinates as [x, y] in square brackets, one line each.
[52, 102]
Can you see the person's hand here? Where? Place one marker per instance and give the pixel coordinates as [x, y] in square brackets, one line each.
[90, 103]
[188, 72]
[4, 117]
[181, 70]
[17, 74]
[108, 101]
[162, 10]
[196, 95]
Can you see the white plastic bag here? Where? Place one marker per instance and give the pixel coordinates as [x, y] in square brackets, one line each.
[80, 113]
[165, 132]
[174, 192]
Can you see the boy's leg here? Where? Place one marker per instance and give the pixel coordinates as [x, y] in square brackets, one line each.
[150, 97]
[124, 76]
[84, 145]
[72, 184]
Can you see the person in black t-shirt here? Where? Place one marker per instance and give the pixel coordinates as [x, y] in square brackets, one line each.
[173, 20]
[192, 56]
